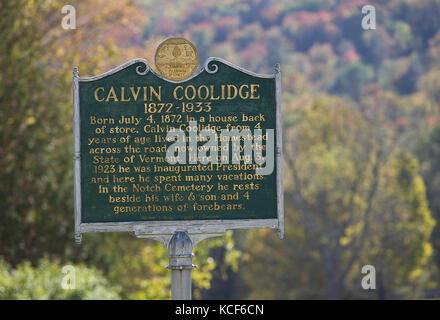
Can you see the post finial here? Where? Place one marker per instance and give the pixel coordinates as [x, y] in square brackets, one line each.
[180, 251]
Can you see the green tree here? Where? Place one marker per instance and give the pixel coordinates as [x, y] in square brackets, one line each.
[36, 59]
[45, 282]
[430, 166]
[351, 199]
[34, 189]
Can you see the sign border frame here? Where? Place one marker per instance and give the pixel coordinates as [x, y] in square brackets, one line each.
[154, 229]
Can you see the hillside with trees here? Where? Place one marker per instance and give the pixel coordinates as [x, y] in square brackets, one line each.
[361, 134]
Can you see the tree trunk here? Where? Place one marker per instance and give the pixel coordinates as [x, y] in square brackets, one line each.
[333, 285]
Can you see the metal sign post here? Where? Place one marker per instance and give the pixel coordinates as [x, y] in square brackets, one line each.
[180, 252]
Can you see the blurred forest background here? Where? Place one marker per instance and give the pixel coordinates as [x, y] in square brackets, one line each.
[361, 136]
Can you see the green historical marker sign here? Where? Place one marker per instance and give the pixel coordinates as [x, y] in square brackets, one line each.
[156, 156]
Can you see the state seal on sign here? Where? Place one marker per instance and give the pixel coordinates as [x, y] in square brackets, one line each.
[176, 59]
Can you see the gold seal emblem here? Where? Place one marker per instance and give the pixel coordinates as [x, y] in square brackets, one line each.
[176, 59]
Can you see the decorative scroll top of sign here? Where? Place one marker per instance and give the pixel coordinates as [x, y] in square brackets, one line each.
[176, 59]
